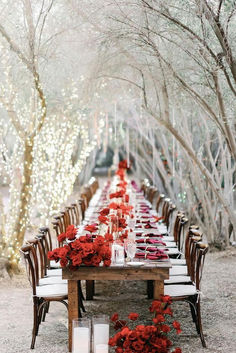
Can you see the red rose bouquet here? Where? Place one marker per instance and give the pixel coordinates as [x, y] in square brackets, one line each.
[145, 338]
[85, 250]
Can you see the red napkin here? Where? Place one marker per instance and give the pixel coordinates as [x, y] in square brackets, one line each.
[155, 241]
[154, 256]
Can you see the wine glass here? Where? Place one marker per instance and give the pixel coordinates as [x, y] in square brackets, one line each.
[131, 249]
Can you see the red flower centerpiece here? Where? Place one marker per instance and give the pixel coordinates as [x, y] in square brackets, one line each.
[85, 250]
[145, 338]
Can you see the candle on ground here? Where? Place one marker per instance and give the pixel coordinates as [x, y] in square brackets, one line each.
[101, 334]
[81, 340]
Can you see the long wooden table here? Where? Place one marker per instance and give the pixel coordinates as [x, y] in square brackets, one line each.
[157, 272]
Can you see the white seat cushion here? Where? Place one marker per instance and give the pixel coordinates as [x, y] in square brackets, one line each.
[179, 271]
[53, 290]
[173, 251]
[171, 244]
[177, 279]
[54, 264]
[57, 272]
[52, 280]
[168, 238]
[177, 262]
[180, 290]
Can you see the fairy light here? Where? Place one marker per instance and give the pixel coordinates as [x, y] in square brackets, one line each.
[53, 170]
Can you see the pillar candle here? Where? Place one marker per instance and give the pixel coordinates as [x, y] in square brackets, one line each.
[100, 334]
[81, 340]
[101, 348]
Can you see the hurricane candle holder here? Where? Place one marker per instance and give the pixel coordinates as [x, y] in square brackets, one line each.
[81, 336]
[100, 333]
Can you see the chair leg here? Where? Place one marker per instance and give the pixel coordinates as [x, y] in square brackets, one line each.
[45, 311]
[199, 322]
[35, 325]
[193, 311]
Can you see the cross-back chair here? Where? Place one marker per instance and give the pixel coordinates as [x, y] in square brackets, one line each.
[190, 293]
[44, 294]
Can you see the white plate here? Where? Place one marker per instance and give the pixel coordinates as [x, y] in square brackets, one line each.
[135, 263]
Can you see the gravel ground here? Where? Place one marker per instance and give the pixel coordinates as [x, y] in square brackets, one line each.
[218, 311]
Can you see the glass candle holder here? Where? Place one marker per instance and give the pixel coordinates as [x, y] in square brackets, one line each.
[117, 251]
[100, 334]
[81, 336]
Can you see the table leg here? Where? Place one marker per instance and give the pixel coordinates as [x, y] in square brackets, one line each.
[150, 289]
[158, 289]
[89, 289]
[73, 307]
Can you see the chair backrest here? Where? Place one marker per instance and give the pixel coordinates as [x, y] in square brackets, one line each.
[160, 199]
[169, 212]
[190, 240]
[57, 229]
[181, 233]
[82, 207]
[76, 215]
[43, 248]
[31, 262]
[47, 233]
[59, 220]
[151, 193]
[201, 251]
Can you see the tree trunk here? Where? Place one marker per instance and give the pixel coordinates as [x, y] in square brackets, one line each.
[21, 222]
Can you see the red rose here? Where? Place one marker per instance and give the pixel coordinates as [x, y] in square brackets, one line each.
[104, 211]
[119, 350]
[115, 317]
[88, 249]
[138, 346]
[158, 319]
[113, 206]
[123, 164]
[91, 228]
[63, 262]
[88, 261]
[108, 237]
[62, 252]
[119, 324]
[103, 219]
[125, 331]
[168, 311]
[77, 244]
[53, 255]
[166, 299]
[165, 328]
[71, 232]
[133, 316]
[107, 263]
[61, 237]
[177, 350]
[176, 325]
[77, 260]
[96, 260]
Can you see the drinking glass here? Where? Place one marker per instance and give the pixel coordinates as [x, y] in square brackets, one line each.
[131, 249]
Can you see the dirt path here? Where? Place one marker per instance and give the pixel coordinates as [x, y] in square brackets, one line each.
[218, 311]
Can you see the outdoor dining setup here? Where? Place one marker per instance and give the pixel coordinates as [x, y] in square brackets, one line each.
[123, 231]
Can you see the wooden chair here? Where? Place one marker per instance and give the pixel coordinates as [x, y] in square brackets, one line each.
[42, 294]
[190, 293]
[160, 199]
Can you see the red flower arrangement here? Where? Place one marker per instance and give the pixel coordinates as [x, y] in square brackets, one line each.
[123, 164]
[82, 251]
[145, 338]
